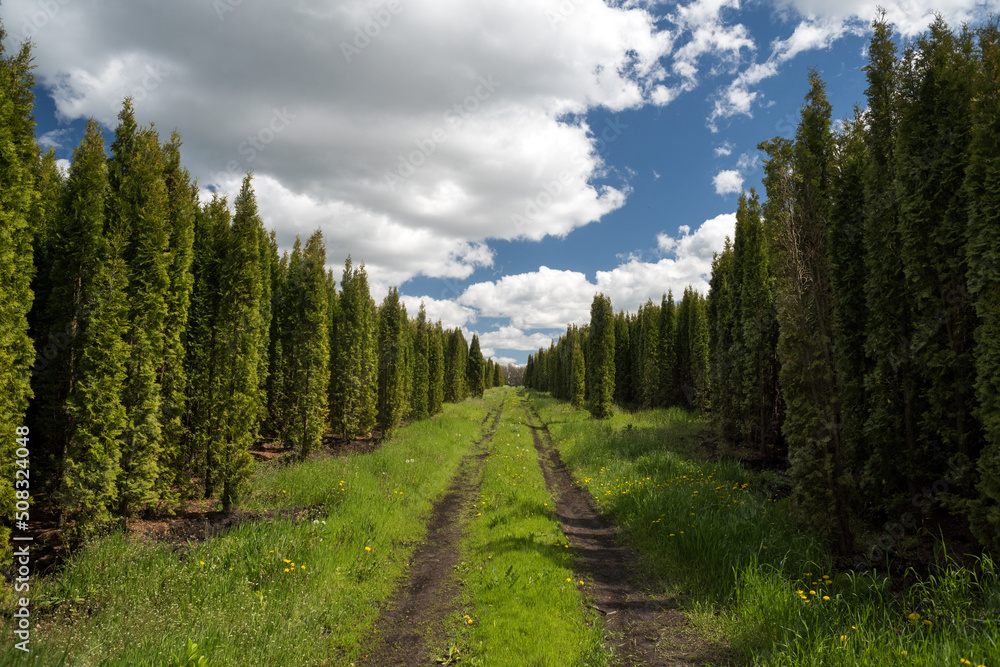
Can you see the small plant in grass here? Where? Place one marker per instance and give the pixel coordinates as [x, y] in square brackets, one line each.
[192, 657]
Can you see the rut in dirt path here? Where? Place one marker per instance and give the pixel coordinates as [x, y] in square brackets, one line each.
[413, 615]
[643, 629]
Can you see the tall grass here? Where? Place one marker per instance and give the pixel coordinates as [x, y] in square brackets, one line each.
[523, 601]
[707, 529]
[279, 592]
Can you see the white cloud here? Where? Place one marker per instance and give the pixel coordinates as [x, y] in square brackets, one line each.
[451, 314]
[729, 181]
[910, 17]
[725, 150]
[550, 299]
[63, 167]
[432, 136]
[512, 338]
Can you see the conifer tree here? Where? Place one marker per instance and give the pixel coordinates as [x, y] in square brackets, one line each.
[699, 351]
[476, 371]
[649, 355]
[721, 326]
[182, 197]
[210, 241]
[847, 265]
[357, 380]
[890, 427]
[623, 378]
[579, 374]
[435, 369]
[931, 160]
[456, 356]
[138, 207]
[89, 300]
[421, 366]
[668, 349]
[498, 378]
[602, 357]
[984, 278]
[391, 369]
[239, 330]
[816, 452]
[757, 387]
[307, 345]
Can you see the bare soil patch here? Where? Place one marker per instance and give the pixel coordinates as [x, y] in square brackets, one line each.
[644, 629]
[409, 624]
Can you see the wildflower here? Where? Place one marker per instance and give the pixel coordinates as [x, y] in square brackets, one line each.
[286, 560]
[913, 616]
[843, 638]
[368, 548]
[202, 562]
[826, 597]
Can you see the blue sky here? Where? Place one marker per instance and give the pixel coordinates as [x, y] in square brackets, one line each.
[500, 161]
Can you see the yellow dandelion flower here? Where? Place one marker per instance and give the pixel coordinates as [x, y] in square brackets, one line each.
[302, 566]
[843, 638]
[826, 597]
[470, 621]
[286, 560]
[368, 548]
[913, 616]
[286, 569]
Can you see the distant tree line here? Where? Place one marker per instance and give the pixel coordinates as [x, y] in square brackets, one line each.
[853, 322]
[149, 339]
[658, 357]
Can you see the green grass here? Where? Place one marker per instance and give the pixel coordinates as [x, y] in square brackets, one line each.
[709, 531]
[523, 601]
[238, 596]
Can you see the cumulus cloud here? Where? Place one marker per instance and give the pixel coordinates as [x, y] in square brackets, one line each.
[451, 314]
[413, 122]
[550, 299]
[727, 182]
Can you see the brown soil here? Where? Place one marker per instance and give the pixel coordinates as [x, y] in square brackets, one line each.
[644, 629]
[409, 624]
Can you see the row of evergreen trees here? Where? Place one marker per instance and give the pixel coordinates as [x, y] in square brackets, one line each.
[659, 357]
[854, 319]
[856, 316]
[149, 340]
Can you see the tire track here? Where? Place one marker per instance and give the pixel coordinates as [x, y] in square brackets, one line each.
[643, 629]
[411, 619]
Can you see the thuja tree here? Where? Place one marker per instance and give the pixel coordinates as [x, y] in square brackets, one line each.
[306, 345]
[238, 331]
[356, 373]
[421, 369]
[182, 202]
[89, 278]
[815, 450]
[984, 277]
[138, 208]
[602, 357]
[476, 369]
[392, 341]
